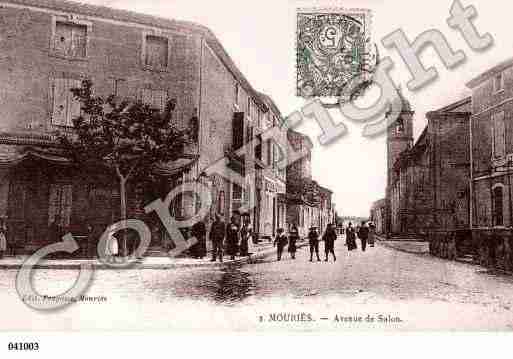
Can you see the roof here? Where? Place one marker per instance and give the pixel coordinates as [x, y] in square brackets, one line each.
[149, 20]
[455, 108]
[306, 138]
[476, 81]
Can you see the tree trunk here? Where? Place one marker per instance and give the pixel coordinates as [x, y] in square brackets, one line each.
[122, 193]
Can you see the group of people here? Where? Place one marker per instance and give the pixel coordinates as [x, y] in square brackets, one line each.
[365, 232]
[237, 238]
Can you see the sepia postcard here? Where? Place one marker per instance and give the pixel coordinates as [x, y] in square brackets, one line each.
[290, 166]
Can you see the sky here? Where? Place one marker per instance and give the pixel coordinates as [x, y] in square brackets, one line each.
[260, 38]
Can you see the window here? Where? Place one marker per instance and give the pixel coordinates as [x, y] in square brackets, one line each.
[236, 93]
[400, 126]
[497, 203]
[157, 99]
[212, 128]
[70, 40]
[237, 192]
[65, 106]
[499, 141]
[498, 82]
[156, 52]
[249, 106]
[60, 203]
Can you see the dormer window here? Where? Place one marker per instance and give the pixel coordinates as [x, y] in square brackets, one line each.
[498, 82]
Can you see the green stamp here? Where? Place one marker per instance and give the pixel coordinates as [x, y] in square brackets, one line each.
[333, 48]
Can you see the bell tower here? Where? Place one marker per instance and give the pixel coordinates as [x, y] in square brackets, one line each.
[399, 134]
[399, 139]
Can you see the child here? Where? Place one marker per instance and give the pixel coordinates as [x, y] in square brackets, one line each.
[280, 242]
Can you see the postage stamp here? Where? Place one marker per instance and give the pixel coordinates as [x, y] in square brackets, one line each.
[333, 47]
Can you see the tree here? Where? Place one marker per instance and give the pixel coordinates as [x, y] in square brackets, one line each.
[126, 136]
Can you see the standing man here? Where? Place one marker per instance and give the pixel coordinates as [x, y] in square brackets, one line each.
[280, 242]
[232, 238]
[313, 240]
[363, 233]
[217, 234]
[329, 238]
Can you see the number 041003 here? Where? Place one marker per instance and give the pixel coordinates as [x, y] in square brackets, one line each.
[23, 346]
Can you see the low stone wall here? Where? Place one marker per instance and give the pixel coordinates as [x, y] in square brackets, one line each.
[494, 248]
[451, 244]
[490, 248]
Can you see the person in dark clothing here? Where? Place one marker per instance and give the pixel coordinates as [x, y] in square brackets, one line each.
[246, 233]
[363, 234]
[329, 238]
[55, 230]
[293, 238]
[217, 234]
[280, 242]
[313, 240]
[350, 238]
[199, 231]
[232, 238]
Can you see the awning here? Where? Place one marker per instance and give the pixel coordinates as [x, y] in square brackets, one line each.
[13, 158]
[175, 167]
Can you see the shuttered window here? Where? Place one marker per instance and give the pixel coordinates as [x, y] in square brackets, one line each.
[238, 130]
[70, 40]
[65, 106]
[157, 99]
[60, 203]
[17, 199]
[157, 52]
[499, 141]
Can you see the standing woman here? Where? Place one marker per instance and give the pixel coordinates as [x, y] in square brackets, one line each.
[3, 237]
[372, 233]
[350, 237]
[245, 235]
[293, 238]
[232, 238]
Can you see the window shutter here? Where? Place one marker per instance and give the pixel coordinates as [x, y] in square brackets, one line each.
[179, 50]
[53, 202]
[74, 105]
[238, 130]
[66, 204]
[63, 38]
[499, 139]
[146, 96]
[60, 95]
[78, 40]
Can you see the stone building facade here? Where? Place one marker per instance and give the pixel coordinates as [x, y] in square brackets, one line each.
[50, 46]
[378, 215]
[492, 159]
[308, 203]
[429, 181]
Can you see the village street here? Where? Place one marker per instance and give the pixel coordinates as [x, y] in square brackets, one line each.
[399, 290]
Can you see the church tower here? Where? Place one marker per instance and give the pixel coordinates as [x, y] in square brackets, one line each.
[399, 139]
[399, 135]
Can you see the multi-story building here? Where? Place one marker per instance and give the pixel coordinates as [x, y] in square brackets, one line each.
[428, 182]
[270, 209]
[300, 208]
[492, 163]
[49, 46]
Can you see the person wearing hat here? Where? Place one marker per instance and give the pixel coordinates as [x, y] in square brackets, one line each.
[293, 238]
[329, 238]
[313, 240]
[280, 242]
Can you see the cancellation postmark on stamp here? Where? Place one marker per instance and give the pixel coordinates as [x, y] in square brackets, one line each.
[333, 47]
